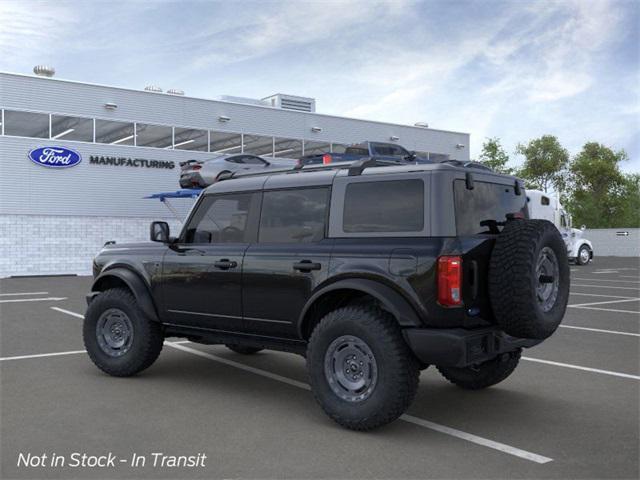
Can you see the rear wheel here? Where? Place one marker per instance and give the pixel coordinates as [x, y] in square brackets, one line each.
[529, 279]
[584, 255]
[361, 371]
[234, 347]
[119, 339]
[483, 375]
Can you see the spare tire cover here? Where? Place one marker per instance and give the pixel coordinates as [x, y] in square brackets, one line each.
[529, 278]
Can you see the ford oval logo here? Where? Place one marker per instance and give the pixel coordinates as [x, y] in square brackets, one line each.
[55, 157]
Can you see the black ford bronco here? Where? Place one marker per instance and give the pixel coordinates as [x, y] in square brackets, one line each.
[371, 272]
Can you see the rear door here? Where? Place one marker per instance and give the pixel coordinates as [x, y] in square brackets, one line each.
[202, 273]
[289, 260]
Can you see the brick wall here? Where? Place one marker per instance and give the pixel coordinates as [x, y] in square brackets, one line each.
[45, 245]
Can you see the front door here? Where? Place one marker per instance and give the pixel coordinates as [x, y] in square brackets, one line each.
[202, 272]
[289, 260]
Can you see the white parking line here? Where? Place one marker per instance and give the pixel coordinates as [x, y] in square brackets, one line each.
[23, 293]
[48, 299]
[578, 367]
[607, 280]
[613, 310]
[606, 286]
[41, 355]
[628, 276]
[604, 302]
[62, 310]
[600, 330]
[597, 295]
[407, 418]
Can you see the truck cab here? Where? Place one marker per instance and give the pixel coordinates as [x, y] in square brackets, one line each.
[546, 207]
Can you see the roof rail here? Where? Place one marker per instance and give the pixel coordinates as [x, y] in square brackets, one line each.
[468, 164]
[355, 168]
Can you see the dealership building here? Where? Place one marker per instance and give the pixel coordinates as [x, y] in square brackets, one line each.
[127, 144]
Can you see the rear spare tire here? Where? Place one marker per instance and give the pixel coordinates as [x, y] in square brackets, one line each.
[529, 278]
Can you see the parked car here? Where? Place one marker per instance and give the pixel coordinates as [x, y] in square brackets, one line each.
[385, 152]
[202, 173]
[371, 273]
[544, 206]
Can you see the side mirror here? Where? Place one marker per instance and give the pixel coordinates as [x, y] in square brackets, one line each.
[159, 232]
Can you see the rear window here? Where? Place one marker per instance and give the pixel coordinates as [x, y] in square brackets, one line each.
[487, 201]
[391, 206]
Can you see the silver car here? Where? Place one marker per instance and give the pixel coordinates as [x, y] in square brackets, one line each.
[202, 173]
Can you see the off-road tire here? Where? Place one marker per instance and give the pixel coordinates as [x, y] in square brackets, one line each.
[244, 350]
[146, 341]
[484, 375]
[397, 368]
[579, 260]
[513, 281]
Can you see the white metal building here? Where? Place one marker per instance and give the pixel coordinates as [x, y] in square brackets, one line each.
[53, 220]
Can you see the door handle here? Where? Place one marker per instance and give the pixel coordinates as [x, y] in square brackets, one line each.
[225, 264]
[306, 266]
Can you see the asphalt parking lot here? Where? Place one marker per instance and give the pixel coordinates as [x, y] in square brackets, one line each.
[569, 411]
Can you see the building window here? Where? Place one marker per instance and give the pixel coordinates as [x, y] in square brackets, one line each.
[71, 128]
[287, 148]
[258, 145]
[26, 124]
[227, 143]
[293, 216]
[191, 139]
[401, 211]
[114, 133]
[316, 148]
[157, 136]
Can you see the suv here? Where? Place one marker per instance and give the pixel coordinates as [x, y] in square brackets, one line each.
[372, 274]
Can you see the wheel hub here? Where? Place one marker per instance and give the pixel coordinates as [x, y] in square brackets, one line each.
[584, 255]
[114, 332]
[548, 278]
[350, 368]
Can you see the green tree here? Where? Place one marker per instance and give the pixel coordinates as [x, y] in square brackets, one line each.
[601, 196]
[545, 163]
[494, 156]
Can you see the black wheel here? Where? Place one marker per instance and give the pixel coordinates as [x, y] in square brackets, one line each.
[242, 349]
[484, 375]
[584, 255]
[119, 339]
[361, 371]
[529, 279]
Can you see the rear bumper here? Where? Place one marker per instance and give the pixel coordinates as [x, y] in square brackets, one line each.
[190, 180]
[459, 347]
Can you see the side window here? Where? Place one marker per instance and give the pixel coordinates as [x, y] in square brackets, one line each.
[544, 200]
[251, 160]
[390, 150]
[401, 211]
[222, 219]
[293, 216]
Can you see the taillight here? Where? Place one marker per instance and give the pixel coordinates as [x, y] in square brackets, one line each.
[450, 281]
[196, 167]
[326, 159]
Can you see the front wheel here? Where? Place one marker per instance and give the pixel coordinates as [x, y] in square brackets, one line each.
[584, 255]
[361, 371]
[119, 339]
[484, 375]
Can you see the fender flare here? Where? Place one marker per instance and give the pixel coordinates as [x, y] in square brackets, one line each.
[135, 283]
[391, 300]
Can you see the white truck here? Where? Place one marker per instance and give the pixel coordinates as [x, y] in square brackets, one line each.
[544, 206]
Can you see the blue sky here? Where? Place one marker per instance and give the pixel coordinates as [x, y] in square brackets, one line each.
[514, 70]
